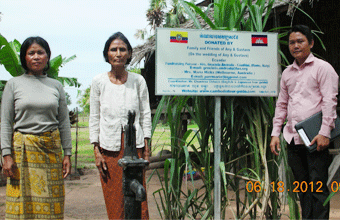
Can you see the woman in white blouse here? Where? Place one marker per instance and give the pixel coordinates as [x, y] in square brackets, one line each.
[113, 95]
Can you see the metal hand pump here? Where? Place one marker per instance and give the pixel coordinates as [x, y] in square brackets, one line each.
[134, 192]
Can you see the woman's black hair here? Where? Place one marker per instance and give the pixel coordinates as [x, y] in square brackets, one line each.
[27, 43]
[303, 29]
[117, 35]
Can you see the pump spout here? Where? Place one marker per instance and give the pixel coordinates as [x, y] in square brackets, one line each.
[138, 189]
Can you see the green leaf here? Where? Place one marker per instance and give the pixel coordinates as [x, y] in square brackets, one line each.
[285, 28]
[9, 57]
[158, 113]
[55, 64]
[66, 60]
[305, 13]
[68, 81]
[321, 42]
[283, 56]
[17, 46]
[190, 13]
[329, 197]
[240, 15]
[269, 10]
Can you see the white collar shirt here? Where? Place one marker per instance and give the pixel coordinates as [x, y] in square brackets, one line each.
[109, 107]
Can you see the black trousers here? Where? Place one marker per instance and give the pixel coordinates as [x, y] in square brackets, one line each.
[309, 169]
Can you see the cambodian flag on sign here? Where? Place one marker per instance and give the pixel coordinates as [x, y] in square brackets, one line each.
[259, 40]
[178, 37]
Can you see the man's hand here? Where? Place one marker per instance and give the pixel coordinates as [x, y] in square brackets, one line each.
[67, 166]
[275, 145]
[100, 162]
[321, 141]
[9, 166]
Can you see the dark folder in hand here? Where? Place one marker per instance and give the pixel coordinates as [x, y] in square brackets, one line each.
[310, 127]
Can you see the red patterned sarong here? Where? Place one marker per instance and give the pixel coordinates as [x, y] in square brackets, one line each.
[112, 185]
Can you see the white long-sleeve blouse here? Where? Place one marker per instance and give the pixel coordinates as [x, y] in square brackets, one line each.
[109, 107]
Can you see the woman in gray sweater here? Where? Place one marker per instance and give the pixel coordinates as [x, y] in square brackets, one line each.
[34, 126]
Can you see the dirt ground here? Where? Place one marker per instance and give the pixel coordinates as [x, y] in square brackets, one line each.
[84, 199]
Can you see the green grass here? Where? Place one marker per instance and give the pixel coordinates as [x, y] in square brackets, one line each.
[161, 139]
[85, 154]
[85, 157]
[83, 121]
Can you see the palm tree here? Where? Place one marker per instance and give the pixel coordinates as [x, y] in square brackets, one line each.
[176, 15]
[155, 13]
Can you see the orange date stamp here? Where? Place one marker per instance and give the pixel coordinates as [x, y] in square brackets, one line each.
[303, 186]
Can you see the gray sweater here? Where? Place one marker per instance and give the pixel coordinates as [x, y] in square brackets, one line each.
[34, 104]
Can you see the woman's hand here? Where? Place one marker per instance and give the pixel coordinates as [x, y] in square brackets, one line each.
[9, 166]
[67, 166]
[147, 152]
[100, 162]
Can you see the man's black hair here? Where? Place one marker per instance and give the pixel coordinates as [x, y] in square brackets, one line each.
[303, 29]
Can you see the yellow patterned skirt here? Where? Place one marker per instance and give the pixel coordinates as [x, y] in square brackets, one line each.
[37, 190]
